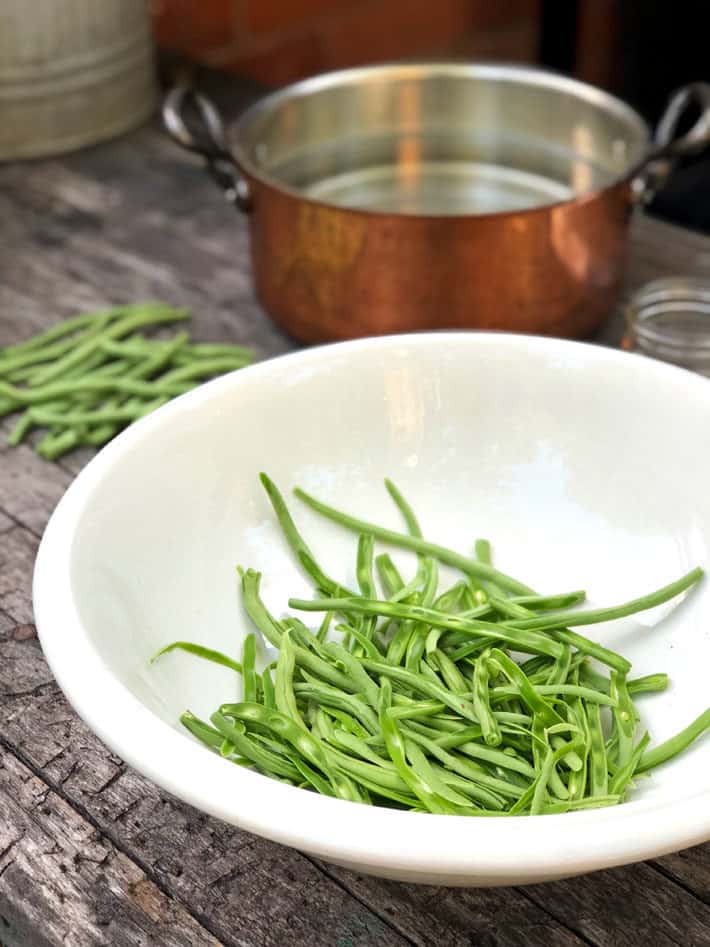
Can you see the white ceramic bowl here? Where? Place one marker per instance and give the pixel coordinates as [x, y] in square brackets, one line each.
[584, 466]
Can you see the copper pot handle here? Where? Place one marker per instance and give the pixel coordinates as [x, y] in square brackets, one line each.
[652, 172]
[192, 120]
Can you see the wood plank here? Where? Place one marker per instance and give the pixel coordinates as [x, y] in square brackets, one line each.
[247, 891]
[458, 917]
[61, 882]
[625, 907]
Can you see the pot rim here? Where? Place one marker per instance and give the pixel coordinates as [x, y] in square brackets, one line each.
[534, 75]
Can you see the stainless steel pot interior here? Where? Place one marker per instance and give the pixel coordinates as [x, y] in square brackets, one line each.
[444, 139]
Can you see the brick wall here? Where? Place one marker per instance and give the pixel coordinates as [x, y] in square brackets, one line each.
[277, 41]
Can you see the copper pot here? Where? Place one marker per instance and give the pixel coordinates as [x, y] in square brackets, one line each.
[439, 195]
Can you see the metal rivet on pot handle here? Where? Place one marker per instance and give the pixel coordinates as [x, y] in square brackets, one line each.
[657, 165]
[205, 136]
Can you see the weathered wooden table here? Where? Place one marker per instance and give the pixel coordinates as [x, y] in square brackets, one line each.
[91, 852]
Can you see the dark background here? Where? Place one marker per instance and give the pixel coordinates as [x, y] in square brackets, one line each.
[642, 50]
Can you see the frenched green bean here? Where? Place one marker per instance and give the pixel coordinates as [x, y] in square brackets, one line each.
[89, 376]
[474, 699]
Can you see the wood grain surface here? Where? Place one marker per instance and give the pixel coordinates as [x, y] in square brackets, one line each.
[91, 853]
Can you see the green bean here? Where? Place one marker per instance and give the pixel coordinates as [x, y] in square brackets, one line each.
[311, 776]
[625, 773]
[26, 363]
[452, 677]
[347, 723]
[389, 575]
[334, 697]
[423, 686]
[400, 642]
[134, 317]
[482, 549]
[552, 758]
[415, 647]
[255, 608]
[208, 654]
[265, 759]
[518, 638]
[545, 690]
[550, 602]
[675, 745]
[651, 600]
[355, 671]
[481, 702]
[466, 741]
[445, 784]
[414, 780]
[296, 542]
[368, 646]
[625, 718]
[416, 544]
[598, 766]
[283, 683]
[467, 770]
[203, 731]
[651, 683]
[577, 781]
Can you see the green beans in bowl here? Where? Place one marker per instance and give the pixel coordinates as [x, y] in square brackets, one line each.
[486, 670]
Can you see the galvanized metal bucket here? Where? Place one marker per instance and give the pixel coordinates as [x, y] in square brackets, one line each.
[72, 72]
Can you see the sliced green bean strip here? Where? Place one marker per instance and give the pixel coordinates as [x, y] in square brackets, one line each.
[575, 619]
[416, 544]
[482, 704]
[255, 608]
[265, 759]
[203, 731]
[354, 669]
[625, 718]
[453, 678]
[560, 669]
[467, 770]
[395, 745]
[421, 685]
[443, 782]
[347, 722]
[550, 602]
[324, 628]
[249, 668]
[466, 741]
[283, 683]
[667, 750]
[530, 642]
[598, 767]
[623, 776]
[368, 646]
[334, 697]
[208, 654]
[575, 805]
[552, 758]
[296, 541]
[268, 689]
[390, 578]
[415, 648]
[651, 683]
[545, 690]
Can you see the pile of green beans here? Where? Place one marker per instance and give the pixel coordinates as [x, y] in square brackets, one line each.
[477, 699]
[86, 378]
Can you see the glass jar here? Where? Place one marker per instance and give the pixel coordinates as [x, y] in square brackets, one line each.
[669, 319]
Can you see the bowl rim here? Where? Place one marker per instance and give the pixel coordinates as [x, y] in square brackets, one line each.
[503, 850]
